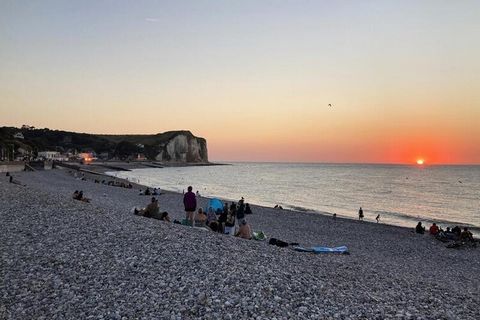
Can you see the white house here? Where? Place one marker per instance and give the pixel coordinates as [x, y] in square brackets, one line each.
[18, 135]
[52, 155]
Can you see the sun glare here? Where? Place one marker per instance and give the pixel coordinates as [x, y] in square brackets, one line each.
[420, 162]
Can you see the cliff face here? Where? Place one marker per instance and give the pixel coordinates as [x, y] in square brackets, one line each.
[183, 147]
[171, 146]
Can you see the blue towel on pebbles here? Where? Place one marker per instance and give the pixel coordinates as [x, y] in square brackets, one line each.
[342, 249]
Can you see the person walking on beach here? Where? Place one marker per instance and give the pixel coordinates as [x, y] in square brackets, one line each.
[190, 203]
[378, 218]
[360, 214]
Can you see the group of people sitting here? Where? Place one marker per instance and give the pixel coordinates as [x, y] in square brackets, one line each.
[148, 192]
[222, 220]
[78, 195]
[152, 210]
[453, 234]
[113, 183]
[120, 184]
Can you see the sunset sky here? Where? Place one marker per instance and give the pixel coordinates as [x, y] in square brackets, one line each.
[253, 77]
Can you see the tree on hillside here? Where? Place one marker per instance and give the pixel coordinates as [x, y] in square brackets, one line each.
[125, 150]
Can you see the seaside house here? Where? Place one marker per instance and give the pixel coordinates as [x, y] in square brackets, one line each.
[18, 135]
[52, 155]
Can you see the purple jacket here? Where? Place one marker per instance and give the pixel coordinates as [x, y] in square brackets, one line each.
[190, 201]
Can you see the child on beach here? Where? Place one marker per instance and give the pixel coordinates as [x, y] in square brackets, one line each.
[200, 218]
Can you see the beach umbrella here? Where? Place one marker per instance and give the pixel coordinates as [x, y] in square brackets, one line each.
[215, 204]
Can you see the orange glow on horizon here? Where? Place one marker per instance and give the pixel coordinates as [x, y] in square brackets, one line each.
[420, 162]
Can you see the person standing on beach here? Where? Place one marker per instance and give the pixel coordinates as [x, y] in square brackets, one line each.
[360, 214]
[240, 212]
[190, 203]
[378, 218]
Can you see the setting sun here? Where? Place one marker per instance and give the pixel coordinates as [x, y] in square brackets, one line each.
[420, 161]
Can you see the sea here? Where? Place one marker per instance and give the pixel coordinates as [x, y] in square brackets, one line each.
[401, 194]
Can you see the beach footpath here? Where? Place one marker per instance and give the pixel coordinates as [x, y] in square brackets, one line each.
[67, 259]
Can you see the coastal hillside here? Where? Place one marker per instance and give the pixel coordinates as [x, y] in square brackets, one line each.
[172, 146]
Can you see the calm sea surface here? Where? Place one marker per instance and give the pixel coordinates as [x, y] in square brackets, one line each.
[402, 195]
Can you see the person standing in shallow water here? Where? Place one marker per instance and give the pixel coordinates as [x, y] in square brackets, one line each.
[190, 203]
[360, 214]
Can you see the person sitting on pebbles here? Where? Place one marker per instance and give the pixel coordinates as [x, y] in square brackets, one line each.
[78, 195]
[150, 210]
[245, 231]
[466, 236]
[211, 216]
[419, 228]
[200, 218]
[165, 217]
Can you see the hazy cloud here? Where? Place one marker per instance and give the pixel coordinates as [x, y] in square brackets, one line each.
[151, 19]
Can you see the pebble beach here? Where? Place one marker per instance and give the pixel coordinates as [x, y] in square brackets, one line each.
[66, 259]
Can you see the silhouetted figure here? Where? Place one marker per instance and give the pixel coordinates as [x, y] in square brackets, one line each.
[457, 231]
[360, 214]
[466, 235]
[419, 228]
[248, 210]
[378, 218]
[233, 207]
[240, 211]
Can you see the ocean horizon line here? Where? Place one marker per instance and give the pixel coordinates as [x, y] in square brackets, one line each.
[354, 163]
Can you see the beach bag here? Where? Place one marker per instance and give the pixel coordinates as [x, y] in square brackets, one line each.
[278, 243]
[259, 236]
